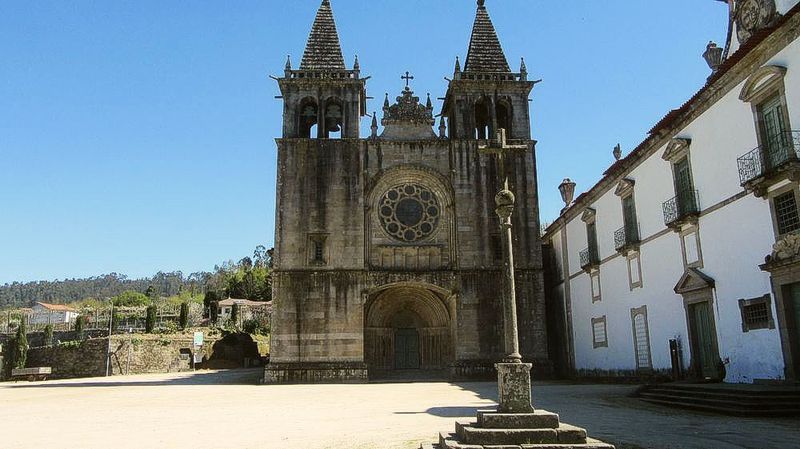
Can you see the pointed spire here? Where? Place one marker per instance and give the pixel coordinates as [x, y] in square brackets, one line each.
[429, 104]
[323, 50]
[288, 62]
[457, 70]
[356, 65]
[386, 102]
[374, 127]
[485, 52]
[523, 70]
[442, 129]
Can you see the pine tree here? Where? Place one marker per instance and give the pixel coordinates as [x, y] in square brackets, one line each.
[48, 335]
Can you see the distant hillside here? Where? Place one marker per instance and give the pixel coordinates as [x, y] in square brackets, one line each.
[105, 286]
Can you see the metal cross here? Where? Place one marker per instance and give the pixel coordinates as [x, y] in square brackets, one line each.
[407, 77]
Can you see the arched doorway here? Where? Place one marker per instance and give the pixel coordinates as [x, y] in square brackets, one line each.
[407, 328]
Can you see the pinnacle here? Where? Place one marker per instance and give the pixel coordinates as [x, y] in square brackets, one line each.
[323, 50]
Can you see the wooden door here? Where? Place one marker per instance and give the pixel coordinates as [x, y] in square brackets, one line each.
[406, 349]
[703, 342]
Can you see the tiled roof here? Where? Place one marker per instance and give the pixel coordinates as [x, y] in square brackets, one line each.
[485, 52]
[244, 302]
[675, 115]
[323, 50]
[56, 307]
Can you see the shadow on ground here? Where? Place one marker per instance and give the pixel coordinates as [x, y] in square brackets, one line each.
[226, 377]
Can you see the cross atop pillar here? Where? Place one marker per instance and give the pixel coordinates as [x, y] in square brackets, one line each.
[408, 77]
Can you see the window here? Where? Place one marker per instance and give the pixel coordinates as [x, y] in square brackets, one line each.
[317, 254]
[634, 270]
[690, 247]
[756, 313]
[775, 140]
[641, 338]
[497, 248]
[786, 216]
[594, 277]
[599, 332]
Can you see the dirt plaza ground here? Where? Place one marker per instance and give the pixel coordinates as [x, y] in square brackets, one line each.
[227, 409]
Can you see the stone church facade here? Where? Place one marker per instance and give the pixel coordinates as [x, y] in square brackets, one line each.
[388, 252]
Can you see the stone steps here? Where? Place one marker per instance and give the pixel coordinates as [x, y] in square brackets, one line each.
[745, 401]
[537, 430]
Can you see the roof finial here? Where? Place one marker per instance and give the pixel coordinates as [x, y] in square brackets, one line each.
[481, 3]
[386, 102]
[618, 152]
[288, 62]
[429, 104]
[374, 127]
[356, 65]
[442, 128]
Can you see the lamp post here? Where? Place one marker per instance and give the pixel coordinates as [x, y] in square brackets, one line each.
[513, 376]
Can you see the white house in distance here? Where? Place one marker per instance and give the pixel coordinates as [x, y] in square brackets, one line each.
[247, 309]
[693, 236]
[44, 313]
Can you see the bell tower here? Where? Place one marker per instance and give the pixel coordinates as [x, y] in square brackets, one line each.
[486, 95]
[323, 99]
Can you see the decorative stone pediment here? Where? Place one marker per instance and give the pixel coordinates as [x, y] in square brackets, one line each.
[625, 187]
[677, 149]
[408, 119]
[692, 281]
[588, 215]
[786, 251]
[763, 81]
[753, 15]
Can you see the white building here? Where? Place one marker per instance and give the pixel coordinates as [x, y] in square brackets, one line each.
[671, 243]
[247, 309]
[44, 313]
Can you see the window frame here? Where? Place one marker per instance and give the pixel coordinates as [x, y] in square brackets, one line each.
[315, 241]
[631, 258]
[767, 301]
[604, 321]
[693, 229]
[793, 188]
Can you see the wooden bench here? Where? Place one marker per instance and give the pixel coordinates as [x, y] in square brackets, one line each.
[31, 374]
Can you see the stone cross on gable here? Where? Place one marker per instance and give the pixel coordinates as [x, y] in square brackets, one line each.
[408, 77]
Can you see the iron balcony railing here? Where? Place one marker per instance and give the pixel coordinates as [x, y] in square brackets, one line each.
[777, 151]
[590, 257]
[626, 236]
[683, 205]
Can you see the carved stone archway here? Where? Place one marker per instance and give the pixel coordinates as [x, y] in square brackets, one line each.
[407, 326]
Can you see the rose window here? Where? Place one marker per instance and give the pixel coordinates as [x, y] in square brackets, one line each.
[409, 212]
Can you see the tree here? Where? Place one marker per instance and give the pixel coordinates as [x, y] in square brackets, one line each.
[209, 301]
[235, 314]
[183, 319]
[21, 346]
[8, 357]
[114, 321]
[130, 298]
[150, 319]
[48, 335]
[80, 326]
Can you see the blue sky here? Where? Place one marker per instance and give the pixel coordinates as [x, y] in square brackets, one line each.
[137, 136]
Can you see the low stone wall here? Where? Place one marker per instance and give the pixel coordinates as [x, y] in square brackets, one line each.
[312, 373]
[130, 354]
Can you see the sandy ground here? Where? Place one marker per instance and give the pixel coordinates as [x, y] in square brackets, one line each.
[228, 410]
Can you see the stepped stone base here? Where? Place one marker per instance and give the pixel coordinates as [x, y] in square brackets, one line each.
[300, 373]
[537, 430]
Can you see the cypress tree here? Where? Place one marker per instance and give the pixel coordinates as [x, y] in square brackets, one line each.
[80, 326]
[150, 320]
[48, 335]
[183, 319]
[235, 315]
[21, 346]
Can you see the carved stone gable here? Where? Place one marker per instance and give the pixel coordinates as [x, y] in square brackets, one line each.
[753, 15]
[408, 119]
[693, 280]
[625, 187]
[677, 148]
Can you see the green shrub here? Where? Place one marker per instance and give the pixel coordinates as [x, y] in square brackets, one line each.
[80, 327]
[257, 326]
[8, 358]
